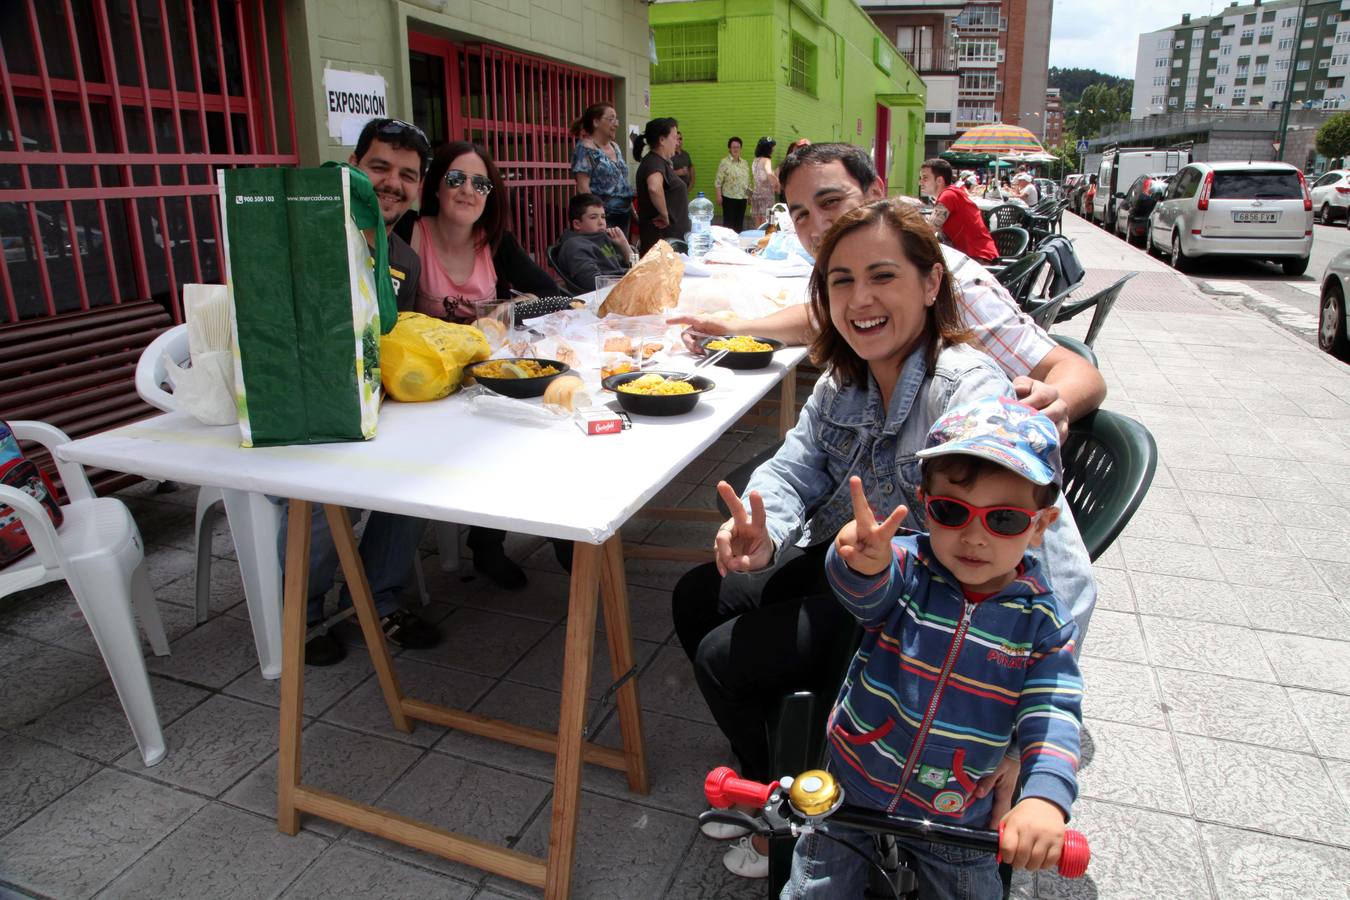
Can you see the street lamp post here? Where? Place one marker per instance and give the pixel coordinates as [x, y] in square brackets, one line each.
[1289, 83]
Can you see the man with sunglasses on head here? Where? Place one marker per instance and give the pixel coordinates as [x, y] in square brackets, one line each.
[393, 154]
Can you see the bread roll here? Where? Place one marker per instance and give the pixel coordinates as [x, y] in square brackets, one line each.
[564, 392]
[618, 343]
[650, 287]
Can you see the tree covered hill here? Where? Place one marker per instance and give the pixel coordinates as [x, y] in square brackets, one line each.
[1072, 82]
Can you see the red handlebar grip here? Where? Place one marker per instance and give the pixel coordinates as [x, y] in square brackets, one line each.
[723, 789]
[1074, 857]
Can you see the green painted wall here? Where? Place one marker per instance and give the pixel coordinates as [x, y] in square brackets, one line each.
[751, 97]
[608, 36]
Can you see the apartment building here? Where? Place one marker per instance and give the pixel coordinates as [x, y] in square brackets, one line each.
[1257, 55]
[988, 58]
[1054, 117]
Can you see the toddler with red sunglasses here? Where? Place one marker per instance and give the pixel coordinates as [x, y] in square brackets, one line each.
[965, 650]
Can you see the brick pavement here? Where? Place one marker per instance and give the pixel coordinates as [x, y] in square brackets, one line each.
[1217, 708]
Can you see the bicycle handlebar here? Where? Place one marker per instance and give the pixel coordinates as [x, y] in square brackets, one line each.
[724, 789]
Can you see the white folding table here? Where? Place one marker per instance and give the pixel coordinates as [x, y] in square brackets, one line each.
[442, 461]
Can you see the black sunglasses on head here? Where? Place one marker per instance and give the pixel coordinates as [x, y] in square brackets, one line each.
[406, 132]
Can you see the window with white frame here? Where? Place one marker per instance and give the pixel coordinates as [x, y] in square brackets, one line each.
[1331, 103]
[1179, 45]
[1343, 37]
[978, 51]
[1190, 105]
[1323, 63]
[1160, 62]
[1285, 44]
[1155, 100]
[1320, 85]
[1171, 101]
[1281, 65]
[1340, 60]
[1176, 82]
[1162, 43]
[1267, 30]
[1260, 69]
[1333, 18]
[1226, 50]
[1197, 42]
[1310, 22]
[1225, 69]
[1303, 65]
[1216, 34]
[1221, 90]
[1239, 94]
[1159, 80]
[1287, 22]
[1191, 81]
[1279, 86]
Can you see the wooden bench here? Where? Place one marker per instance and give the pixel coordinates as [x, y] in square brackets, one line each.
[77, 371]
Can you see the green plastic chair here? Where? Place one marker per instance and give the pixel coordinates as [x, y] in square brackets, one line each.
[1109, 464]
[1078, 347]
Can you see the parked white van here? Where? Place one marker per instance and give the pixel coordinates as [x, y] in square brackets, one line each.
[1259, 210]
[1118, 170]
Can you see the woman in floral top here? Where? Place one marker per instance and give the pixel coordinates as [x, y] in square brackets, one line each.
[733, 186]
[598, 164]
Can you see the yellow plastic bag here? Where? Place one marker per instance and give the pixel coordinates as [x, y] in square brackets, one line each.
[424, 358]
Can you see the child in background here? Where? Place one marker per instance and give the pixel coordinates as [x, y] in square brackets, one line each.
[588, 248]
[964, 645]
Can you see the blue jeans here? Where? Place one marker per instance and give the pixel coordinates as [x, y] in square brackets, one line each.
[824, 869]
[388, 552]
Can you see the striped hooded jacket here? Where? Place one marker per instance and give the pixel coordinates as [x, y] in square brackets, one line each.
[940, 683]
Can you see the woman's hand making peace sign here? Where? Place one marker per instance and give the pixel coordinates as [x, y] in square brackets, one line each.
[743, 543]
[864, 544]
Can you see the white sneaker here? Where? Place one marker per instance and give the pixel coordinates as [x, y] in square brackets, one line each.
[723, 831]
[744, 860]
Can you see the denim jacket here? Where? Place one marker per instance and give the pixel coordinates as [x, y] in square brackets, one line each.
[843, 431]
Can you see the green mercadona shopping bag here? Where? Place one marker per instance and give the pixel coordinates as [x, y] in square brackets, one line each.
[308, 308]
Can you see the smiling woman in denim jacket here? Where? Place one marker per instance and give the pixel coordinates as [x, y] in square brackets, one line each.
[894, 347]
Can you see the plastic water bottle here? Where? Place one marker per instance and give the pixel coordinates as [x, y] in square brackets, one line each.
[700, 221]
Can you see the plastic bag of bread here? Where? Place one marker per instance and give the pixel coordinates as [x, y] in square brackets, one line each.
[652, 286]
[424, 358]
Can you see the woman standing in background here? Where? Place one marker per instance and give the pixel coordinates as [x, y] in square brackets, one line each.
[598, 165]
[663, 199]
[733, 186]
[765, 181]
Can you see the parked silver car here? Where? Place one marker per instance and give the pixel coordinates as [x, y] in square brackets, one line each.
[1332, 328]
[1258, 210]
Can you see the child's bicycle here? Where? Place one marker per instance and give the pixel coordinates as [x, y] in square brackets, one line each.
[793, 806]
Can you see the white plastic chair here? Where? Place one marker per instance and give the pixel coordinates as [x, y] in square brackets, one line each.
[254, 521]
[97, 551]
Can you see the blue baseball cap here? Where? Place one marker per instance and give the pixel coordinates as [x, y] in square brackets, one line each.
[1003, 431]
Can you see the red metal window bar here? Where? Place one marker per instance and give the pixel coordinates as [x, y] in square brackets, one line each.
[521, 108]
[114, 116]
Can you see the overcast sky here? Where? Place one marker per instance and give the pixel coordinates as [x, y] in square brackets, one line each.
[1104, 36]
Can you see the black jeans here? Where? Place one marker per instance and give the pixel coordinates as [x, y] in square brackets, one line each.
[733, 213]
[619, 221]
[750, 647]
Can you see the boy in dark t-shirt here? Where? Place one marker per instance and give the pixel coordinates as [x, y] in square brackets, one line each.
[588, 248]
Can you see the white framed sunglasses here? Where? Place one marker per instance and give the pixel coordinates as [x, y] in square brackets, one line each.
[454, 179]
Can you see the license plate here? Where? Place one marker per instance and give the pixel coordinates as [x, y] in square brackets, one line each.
[1256, 217]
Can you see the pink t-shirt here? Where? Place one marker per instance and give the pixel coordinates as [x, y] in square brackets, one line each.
[441, 296]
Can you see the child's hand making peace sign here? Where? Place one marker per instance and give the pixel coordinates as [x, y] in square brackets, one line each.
[865, 544]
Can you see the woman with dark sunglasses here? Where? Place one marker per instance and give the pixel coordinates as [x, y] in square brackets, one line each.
[468, 253]
[894, 345]
[462, 234]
